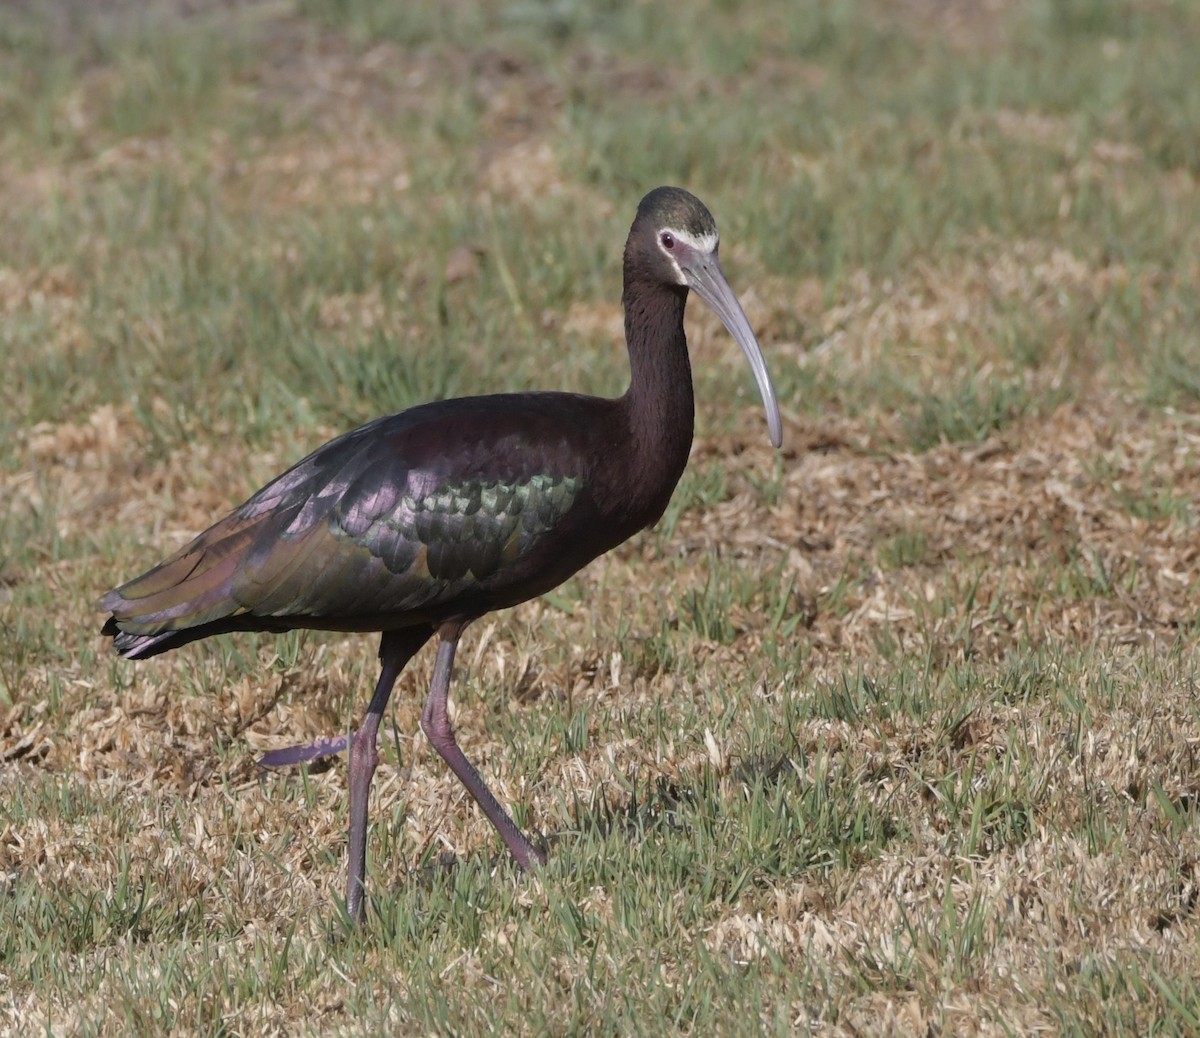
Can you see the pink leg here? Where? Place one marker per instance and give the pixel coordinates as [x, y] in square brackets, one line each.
[396, 648]
[436, 726]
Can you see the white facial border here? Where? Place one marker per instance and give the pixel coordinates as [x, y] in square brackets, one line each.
[686, 244]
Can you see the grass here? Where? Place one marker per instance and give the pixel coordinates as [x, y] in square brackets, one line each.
[891, 733]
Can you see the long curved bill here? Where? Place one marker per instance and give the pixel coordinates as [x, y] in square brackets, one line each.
[707, 278]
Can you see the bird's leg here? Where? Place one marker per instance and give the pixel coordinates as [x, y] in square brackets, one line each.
[436, 725]
[396, 648]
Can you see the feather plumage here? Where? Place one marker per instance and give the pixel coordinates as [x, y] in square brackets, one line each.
[387, 521]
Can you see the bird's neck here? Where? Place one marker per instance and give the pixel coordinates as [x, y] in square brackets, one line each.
[659, 405]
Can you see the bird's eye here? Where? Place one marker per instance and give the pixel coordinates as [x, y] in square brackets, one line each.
[667, 239]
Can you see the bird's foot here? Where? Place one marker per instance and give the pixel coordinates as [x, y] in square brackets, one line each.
[327, 747]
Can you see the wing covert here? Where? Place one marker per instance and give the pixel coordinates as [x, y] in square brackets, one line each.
[375, 537]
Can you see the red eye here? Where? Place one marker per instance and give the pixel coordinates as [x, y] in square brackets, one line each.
[667, 239]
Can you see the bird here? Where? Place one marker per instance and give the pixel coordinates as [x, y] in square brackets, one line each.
[418, 523]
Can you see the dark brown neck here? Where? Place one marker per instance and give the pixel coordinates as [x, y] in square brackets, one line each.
[658, 405]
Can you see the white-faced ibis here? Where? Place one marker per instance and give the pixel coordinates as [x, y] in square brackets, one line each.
[423, 521]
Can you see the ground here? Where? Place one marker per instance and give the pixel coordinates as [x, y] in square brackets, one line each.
[894, 731]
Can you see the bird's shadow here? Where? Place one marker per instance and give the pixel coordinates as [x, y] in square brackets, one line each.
[661, 806]
[643, 811]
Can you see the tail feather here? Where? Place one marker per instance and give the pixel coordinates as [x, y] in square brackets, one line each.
[142, 646]
[185, 598]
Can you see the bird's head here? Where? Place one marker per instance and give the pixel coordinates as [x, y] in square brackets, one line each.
[674, 241]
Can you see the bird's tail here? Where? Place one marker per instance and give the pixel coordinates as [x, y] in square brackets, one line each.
[183, 599]
[142, 646]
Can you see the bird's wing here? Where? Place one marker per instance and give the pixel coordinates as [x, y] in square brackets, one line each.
[401, 516]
